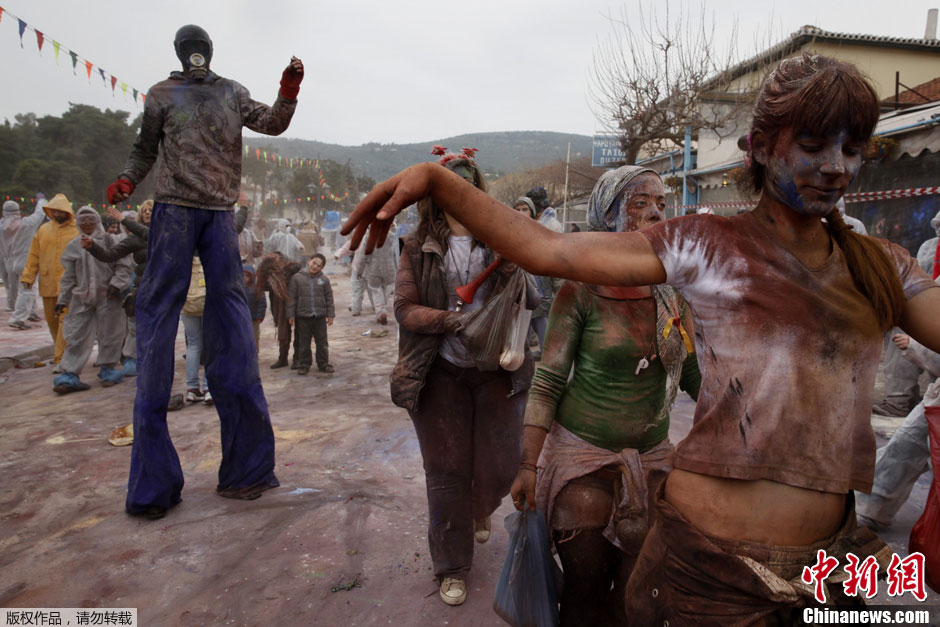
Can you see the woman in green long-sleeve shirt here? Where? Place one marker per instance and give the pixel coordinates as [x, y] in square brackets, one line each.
[603, 432]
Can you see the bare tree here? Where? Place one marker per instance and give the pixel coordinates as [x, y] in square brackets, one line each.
[657, 74]
[552, 177]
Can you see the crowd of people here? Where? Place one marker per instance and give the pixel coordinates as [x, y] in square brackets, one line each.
[788, 307]
[773, 320]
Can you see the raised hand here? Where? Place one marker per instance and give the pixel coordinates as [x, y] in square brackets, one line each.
[291, 77]
[385, 201]
[114, 213]
[86, 242]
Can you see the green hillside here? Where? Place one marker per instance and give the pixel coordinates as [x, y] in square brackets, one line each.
[500, 153]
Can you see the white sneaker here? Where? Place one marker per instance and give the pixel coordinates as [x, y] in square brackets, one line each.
[481, 530]
[57, 369]
[208, 399]
[453, 591]
[194, 396]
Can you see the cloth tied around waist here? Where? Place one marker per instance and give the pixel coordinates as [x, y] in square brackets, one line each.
[566, 457]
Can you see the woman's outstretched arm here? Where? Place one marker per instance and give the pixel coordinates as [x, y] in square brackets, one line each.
[601, 258]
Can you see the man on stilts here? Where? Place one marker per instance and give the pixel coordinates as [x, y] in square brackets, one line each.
[192, 129]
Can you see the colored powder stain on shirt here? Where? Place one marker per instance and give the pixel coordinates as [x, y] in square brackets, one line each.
[789, 355]
[604, 403]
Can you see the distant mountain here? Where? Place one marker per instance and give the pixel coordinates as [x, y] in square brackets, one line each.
[500, 153]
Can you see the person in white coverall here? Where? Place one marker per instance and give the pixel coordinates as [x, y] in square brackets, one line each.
[16, 234]
[91, 289]
[906, 456]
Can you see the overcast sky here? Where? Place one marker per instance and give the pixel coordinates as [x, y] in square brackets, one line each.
[379, 70]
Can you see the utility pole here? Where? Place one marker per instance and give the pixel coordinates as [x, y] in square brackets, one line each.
[564, 211]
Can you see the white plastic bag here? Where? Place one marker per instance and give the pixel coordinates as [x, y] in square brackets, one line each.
[513, 354]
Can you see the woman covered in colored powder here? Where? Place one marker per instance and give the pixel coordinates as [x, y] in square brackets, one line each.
[468, 421]
[789, 312]
[607, 428]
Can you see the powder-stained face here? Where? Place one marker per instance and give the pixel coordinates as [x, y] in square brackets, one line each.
[641, 203]
[810, 174]
[523, 209]
[465, 173]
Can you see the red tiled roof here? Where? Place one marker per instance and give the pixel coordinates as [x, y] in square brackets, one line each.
[930, 89]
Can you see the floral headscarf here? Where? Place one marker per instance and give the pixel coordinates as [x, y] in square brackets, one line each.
[602, 214]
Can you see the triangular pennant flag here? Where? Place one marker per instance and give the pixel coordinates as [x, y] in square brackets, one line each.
[113, 83]
[1, 17]
[22, 30]
[265, 155]
[39, 39]
[74, 56]
[124, 89]
[135, 94]
[257, 153]
[143, 98]
[246, 149]
[103, 79]
[55, 46]
[88, 66]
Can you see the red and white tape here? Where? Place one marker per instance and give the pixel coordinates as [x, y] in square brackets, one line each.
[892, 193]
[886, 194]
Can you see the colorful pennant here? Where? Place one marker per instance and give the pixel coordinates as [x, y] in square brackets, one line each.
[89, 66]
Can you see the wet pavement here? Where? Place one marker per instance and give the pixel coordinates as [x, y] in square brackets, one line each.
[342, 541]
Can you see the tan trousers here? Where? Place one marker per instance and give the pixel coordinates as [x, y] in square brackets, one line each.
[55, 326]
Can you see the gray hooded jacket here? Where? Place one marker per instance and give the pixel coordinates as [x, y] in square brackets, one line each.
[86, 280]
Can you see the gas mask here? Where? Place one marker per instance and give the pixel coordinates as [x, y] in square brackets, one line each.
[194, 50]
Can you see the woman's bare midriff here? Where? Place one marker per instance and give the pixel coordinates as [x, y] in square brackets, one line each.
[756, 511]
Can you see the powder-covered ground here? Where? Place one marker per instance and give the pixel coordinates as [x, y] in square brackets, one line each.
[351, 506]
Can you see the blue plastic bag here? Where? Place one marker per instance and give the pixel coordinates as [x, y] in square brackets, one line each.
[525, 593]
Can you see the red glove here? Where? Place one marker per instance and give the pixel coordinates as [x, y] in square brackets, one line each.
[119, 190]
[290, 79]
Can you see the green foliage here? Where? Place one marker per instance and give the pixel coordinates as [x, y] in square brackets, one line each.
[500, 152]
[78, 154]
[287, 183]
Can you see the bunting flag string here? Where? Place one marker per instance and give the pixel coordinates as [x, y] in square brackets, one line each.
[107, 77]
[295, 164]
[89, 66]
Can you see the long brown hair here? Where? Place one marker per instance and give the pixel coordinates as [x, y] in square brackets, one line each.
[431, 220]
[815, 95]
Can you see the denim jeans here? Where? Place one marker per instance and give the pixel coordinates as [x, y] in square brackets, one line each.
[192, 329]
